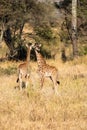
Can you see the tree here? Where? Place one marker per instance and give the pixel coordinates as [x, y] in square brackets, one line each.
[74, 28]
[69, 25]
[13, 17]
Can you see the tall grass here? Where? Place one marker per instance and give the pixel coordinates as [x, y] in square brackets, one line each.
[36, 109]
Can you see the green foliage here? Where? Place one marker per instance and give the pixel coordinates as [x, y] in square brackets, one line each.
[49, 47]
[15, 14]
[82, 50]
[64, 36]
[45, 32]
[66, 30]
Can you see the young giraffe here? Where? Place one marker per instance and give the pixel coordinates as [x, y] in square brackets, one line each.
[23, 69]
[44, 69]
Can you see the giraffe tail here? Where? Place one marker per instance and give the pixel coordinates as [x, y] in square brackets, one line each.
[58, 82]
[17, 80]
[18, 72]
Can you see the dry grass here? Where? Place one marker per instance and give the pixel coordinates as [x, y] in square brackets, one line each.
[35, 109]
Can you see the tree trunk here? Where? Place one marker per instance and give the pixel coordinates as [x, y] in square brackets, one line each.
[21, 29]
[2, 33]
[74, 28]
[8, 40]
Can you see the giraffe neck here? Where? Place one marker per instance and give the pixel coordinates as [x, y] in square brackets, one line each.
[40, 59]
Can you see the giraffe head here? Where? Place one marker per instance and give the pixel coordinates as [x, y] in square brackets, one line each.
[29, 45]
[37, 47]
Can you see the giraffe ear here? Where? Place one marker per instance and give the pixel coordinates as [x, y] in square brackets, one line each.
[40, 45]
[26, 45]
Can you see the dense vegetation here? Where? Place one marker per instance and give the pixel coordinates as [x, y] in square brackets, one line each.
[66, 27]
[44, 19]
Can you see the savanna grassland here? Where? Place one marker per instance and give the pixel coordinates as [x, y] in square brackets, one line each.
[36, 109]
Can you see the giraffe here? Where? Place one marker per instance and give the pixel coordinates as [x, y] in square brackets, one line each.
[24, 70]
[44, 69]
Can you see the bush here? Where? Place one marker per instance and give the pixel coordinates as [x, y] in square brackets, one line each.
[83, 50]
[7, 71]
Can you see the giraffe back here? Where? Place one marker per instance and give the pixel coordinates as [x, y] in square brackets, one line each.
[45, 69]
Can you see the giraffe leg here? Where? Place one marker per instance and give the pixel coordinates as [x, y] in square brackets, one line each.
[20, 82]
[56, 91]
[41, 81]
[55, 85]
[26, 82]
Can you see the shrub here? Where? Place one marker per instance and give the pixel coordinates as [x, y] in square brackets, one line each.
[83, 50]
[7, 71]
